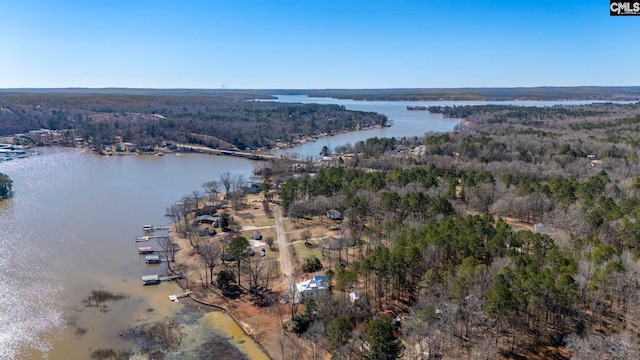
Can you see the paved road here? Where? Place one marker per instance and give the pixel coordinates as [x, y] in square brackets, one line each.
[283, 248]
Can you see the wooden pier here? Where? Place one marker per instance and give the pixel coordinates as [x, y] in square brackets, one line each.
[175, 298]
[174, 277]
[149, 237]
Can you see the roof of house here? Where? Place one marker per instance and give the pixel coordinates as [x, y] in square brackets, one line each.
[334, 214]
[207, 218]
[318, 282]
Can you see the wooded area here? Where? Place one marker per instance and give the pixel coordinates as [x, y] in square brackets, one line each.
[516, 235]
[478, 94]
[218, 120]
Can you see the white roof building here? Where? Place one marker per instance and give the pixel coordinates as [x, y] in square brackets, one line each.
[312, 287]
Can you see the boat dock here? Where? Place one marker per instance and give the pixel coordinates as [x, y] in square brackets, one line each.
[149, 228]
[145, 250]
[174, 277]
[149, 237]
[156, 279]
[175, 298]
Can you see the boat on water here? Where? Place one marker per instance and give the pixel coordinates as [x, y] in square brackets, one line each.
[142, 238]
[145, 250]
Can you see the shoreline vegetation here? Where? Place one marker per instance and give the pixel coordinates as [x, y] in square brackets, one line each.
[513, 237]
[5, 186]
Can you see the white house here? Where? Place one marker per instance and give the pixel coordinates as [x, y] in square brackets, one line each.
[312, 287]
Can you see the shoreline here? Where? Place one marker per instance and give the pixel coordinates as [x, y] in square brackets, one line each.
[210, 297]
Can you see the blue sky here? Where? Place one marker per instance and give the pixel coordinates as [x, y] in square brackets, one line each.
[315, 44]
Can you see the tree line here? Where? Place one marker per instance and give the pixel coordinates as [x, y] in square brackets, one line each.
[218, 120]
[509, 238]
[438, 234]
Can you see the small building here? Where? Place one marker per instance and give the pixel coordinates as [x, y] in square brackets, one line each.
[207, 219]
[332, 243]
[252, 189]
[151, 279]
[540, 228]
[334, 215]
[319, 284]
[226, 237]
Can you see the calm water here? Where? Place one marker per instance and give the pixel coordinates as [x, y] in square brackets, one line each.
[70, 228]
[406, 123]
[71, 224]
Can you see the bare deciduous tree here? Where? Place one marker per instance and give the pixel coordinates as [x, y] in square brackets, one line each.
[212, 188]
[226, 181]
[210, 253]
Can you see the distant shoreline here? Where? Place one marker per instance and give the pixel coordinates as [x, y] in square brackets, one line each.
[540, 93]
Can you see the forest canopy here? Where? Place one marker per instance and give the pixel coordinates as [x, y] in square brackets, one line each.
[220, 120]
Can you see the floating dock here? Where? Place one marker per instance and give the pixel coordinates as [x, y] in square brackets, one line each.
[157, 279]
[145, 250]
[175, 298]
[149, 228]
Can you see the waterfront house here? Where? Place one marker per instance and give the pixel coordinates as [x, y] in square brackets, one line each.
[319, 284]
[207, 219]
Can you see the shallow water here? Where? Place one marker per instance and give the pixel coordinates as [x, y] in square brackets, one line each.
[70, 228]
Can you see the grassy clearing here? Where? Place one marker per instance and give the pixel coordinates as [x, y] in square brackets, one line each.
[302, 251]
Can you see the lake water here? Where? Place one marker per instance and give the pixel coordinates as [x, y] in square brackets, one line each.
[70, 228]
[406, 123]
[71, 225]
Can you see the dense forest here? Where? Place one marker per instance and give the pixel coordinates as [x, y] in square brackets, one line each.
[217, 120]
[516, 236]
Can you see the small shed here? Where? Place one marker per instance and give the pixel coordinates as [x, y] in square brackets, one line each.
[334, 214]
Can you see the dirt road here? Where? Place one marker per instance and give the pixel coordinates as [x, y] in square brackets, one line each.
[283, 248]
